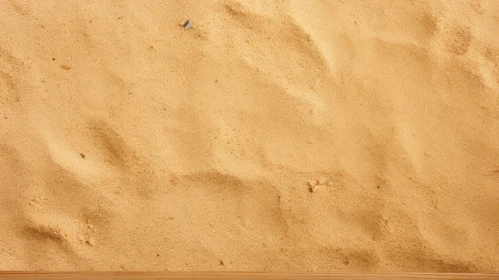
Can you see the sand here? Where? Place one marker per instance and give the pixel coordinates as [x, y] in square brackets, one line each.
[320, 136]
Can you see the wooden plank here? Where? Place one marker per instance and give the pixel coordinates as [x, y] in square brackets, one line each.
[241, 275]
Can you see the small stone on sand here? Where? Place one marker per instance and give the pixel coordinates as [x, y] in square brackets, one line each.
[91, 242]
[187, 24]
[314, 188]
[312, 183]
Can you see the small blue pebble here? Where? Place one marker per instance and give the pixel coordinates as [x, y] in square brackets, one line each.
[188, 24]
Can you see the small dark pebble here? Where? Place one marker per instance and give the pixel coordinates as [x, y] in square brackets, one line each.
[188, 24]
[82, 155]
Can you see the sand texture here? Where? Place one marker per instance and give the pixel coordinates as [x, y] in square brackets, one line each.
[319, 136]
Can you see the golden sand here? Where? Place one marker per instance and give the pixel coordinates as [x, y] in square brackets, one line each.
[286, 135]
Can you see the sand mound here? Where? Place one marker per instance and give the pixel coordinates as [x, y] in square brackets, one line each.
[271, 136]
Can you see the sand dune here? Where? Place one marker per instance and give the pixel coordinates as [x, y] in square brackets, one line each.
[283, 135]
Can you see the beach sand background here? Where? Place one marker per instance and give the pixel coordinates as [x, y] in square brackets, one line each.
[324, 136]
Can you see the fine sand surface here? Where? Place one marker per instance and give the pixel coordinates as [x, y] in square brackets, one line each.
[287, 135]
